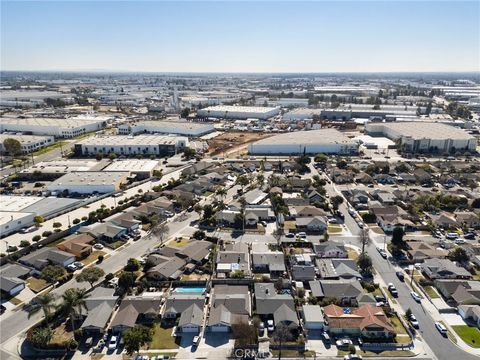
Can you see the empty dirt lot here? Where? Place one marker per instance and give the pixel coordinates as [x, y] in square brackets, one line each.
[233, 144]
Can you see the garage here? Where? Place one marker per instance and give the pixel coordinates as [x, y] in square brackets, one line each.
[312, 317]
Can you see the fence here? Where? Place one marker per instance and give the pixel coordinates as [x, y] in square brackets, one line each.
[387, 346]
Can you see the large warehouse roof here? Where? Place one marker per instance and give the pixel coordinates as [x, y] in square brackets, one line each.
[312, 137]
[52, 122]
[91, 178]
[245, 109]
[125, 140]
[421, 130]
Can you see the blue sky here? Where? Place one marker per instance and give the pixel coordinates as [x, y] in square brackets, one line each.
[231, 36]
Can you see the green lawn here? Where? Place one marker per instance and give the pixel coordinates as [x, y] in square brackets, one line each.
[180, 243]
[50, 148]
[397, 324]
[431, 292]
[93, 257]
[352, 254]
[162, 338]
[15, 301]
[388, 353]
[469, 334]
[36, 285]
[334, 229]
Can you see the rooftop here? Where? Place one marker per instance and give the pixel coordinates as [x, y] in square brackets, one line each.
[91, 178]
[125, 140]
[322, 136]
[421, 130]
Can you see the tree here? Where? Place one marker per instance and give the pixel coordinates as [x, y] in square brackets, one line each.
[364, 262]
[136, 337]
[321, 158]
[185, 112]
[41, 337]
[52, 273]
[364, 239]
[244, 334]
[199, 235]
[24, 243]
[12, 146]
[408, 313]
[161, 230]
[336, 201]
[459, 254]
[397, 238]
[207, 211]
[37, 220]
[132, 265]
[44, 303]
[342, 164]
[112, 156]
[57, 225]
[243, 180]
[126, 280]
[90, 275]
[189, 153]
[281, 334]
[73, 301]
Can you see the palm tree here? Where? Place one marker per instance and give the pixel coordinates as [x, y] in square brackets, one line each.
[45, 303]
[222, 193]
[73, 302]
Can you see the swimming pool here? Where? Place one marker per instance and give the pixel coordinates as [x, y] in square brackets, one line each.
[189, 290]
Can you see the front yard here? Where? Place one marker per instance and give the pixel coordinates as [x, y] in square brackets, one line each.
[93, 257]
[162, 338]
[334, 229]
[36, 285]
[178, 243]
[431, 292]
[469, 334]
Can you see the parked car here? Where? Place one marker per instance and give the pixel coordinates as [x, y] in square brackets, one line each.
[270, 326]
[290, 235]
[413, 320]
[383, 254]
[326, 337]
[79, 264]
[71, 268]
[302, 235]
[441, 328]
[98, 246]
[415, 296]
[352, 357]
[469, 236]
[400, 276]
[380, 298]
[343, 342]
[451, 236]
[196, 340]
[261, 326]
[393, 290]
[112, 344]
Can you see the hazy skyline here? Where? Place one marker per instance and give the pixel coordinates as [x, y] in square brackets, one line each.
[241, 36]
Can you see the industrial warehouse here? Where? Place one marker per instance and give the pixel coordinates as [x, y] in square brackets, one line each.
[424, 136]
[159, 145]
[328, 141]
[183, 128]
[29, 143]
[238, 112]
[59, 128]
[86, 182]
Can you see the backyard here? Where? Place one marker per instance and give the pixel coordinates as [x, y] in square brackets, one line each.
[36, 285]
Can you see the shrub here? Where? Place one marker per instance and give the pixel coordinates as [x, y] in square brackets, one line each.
[76, 221]
[36, 238]
[24, 243]
[46, 233]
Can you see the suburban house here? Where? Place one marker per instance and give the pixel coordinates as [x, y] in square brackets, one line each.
[314, 224]
[444, 269]
[470, 313]
[100, 305]
[230, 305]
[177, 303]
[271, 262]
[78, 245]
[227, 217]
[12, 278]
[467, 218]
[166, 268]
[279, 307]
[330, 249]
[312, 316]
[459, 292]
[47, 256]
[234, 258]
[419, 251]
[108, 231]
[348, 292]
[303, 272]
[366, 321]
[142, 309]
[338, 269]
[191, 319]
[127, 221]
[305, 211]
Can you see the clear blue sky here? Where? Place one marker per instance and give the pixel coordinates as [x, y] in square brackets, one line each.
[241, 36]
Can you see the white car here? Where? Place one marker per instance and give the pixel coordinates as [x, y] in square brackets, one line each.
[343, 342]
[196, 340]
[413, 320]
[98, 246]
[79, 264]
[270, 326]
[112, 344]
[415, 296]
[441, 328]
[71, 267]
[352, 357]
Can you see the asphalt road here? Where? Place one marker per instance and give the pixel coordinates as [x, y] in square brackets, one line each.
[442, 347]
